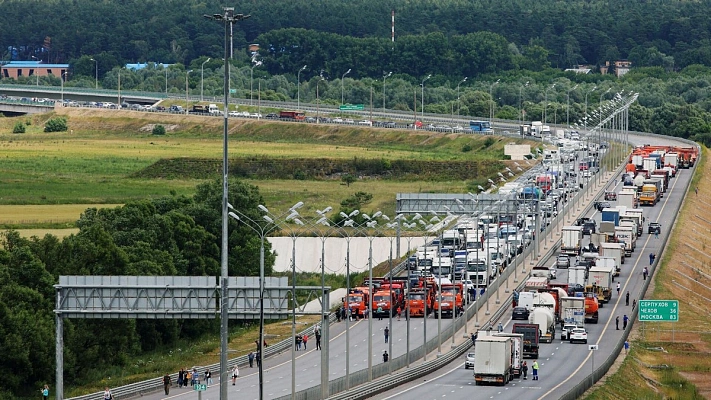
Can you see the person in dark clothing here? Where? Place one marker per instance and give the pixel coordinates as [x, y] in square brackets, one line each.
[385, 356]
[181, 376]
[524, 369]
[627, 298]
[318, 339]
[624, 321]
[387, 333]
[617, 323]
[166, 383]
[250, 357]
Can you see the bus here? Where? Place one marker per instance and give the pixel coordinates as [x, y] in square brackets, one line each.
[481, 126]
[294, 115]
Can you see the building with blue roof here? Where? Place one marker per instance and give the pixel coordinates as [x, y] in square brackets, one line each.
[16, 69]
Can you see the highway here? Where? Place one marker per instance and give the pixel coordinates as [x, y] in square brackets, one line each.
[563, 365]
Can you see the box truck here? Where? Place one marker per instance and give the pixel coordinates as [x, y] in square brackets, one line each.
[572, 237]
[492, 362]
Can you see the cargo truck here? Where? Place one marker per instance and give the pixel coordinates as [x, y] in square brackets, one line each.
[658, 183]
[591, 307]
[636, 216]
[649, 195]
[544, 318]
[672, 160]
[650, 163]
[602, 278]
[624, 234]
[629, 223]
[627, 198]
[517, 347]
[572, 311]
[608, 262]
[663, 180]
[612, 250]
[611, 215]
[492, 362]
[577, 276]
[536, 283]
[572, 237]
[530, 339]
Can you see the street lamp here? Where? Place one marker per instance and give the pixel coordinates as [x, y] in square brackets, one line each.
[491, 105]
[96, 74]
[385, 77]
[298, 88]
[255, 63]
[585, 119]
[520, 104]
[202, 77]
[228, 17]
[165, 67]
[459, 103]
[62, 81]
[187, 74]
[36, 69]
[545, 109]
[118, 97]
[318, 80]
[343, 76]
[422, 109]
[567, 108]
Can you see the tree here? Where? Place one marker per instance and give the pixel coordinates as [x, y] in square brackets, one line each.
[58, 124]
[18, 128]
[348, 179]
[158, 130]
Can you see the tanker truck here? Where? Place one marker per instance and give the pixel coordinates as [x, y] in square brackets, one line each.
[543, 317]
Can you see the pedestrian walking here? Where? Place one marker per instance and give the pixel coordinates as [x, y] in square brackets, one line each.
[258, 357]
[343, 313]
[624, 321]
[188, 378]
[181, 375]
[500, 328]
[250, 357]
[367, 311]
[208, 377]
[306, 339]
[45, 392]
[166, 384]
[398, 313]
[338, 314]
[656, 234]
[196, 377]
[618, 288]
[473, 339]
[380, 313]
[627, 346]
[387, 333]
[651, 258]
[617, 323]
[107, 394]
[645, 271]
[235, 374]
[385, 356]
[534, 367]
[524, 368]
[297, 340]
[634, 303]
[627, 298]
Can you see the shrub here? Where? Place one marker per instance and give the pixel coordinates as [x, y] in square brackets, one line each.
[159, 130]
[489, 141]
[466, 148]
[18, 128]
[58, 124]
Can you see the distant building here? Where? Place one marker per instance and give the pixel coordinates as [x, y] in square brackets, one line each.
[580, 69]
[16, 69]
[139, 66]
[618, 68]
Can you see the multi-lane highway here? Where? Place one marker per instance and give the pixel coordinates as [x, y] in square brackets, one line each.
[563, 365]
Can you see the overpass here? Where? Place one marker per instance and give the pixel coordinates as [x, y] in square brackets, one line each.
[11, 107]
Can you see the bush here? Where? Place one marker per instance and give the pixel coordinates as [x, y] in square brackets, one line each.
[18, 128]
[159, 130]
[466, 148]
[489, 141]
[58, 124]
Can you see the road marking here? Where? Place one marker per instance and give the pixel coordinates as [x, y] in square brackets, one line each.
[617, 303]
[425, 382]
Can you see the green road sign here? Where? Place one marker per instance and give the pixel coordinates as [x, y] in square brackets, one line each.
[659, 310]
[200, 387]
[233, 91]
[351, 107]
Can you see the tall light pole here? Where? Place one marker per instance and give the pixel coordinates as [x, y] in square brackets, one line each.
[385, 77]
[585, 119]
[342, 77]
[187, 93]
[298, 88]
[491, 105]
[118, 98]
[567, 108]
[202, 77]
[96, 73]
[251, 78]
[422, 109]
[545, 109]
[520, 103]
[318, 106]
[62, 81]
[228, 17]
[165, 67]
[459, 103]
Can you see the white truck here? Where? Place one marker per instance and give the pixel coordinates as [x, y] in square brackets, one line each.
[576, 276]
[649, 164]
[631, 223]
[536, 283]
[613, 250]
[479, 271]
[213, 109]
[517, 351]
[572, 237]
[602, 278]
[627, 198]
[672, 160]
[625, 234]
[572, 311]
[544, 317]
[493, 360]
[608, 262]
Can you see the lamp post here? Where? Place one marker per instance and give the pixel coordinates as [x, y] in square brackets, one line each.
[567, 108]
[298, 88]
[166, 78]
[318, 106]
[324, 307]
[118, 97]
[187, 88]
[585, 119]
[202, 77]
[62, 81]
[491, 105]
[520, 103]
[346, 233]
[342, 77]
[96, 73]
[422, 109]
[228, 17]
[545, 109]
[251, 78]
[459, 103]
[385, 77]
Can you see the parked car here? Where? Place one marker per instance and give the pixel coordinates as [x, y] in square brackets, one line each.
[520, 313]
[567, 329]
[654, 227]
[563, 261]
[600, 205]
[272, 116]
[589, 228]
[611, 196]
[578, 335]
[469, 363]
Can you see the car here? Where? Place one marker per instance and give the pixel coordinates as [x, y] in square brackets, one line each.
[160, 108]
[175, 108]
[349, 121]
[563, 261]
[520, 313]
[337, 120]
[589, 228]
[611, 196]
[582, 221]
[234, 113]
[390, 124]
[552, 273]
[600, 205]
[255, 115]
[578, 335]
[567, 329]
[654, 227]
[469, 363]
[365, 122]
[272, 116]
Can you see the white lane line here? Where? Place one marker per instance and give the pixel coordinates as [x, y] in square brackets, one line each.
[426, 382]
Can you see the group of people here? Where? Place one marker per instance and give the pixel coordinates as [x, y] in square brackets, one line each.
[302, 340]
[534, 368]
[190, 377]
